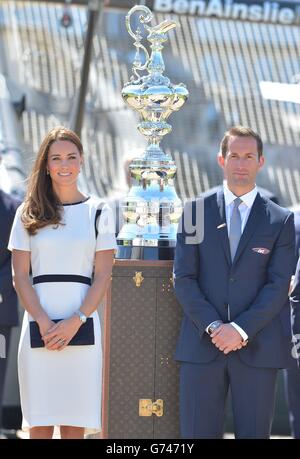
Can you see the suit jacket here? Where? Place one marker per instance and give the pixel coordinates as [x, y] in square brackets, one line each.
[295, 294]
[8, 296]
[253, 288]
[297, 228]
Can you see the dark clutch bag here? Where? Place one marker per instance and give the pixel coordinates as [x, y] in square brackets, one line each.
[84, 337]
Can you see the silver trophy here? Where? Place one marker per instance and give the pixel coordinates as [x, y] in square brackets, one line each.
[152, 209]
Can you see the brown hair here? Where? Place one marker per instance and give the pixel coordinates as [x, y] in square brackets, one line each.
[241, 131]
[42, 206]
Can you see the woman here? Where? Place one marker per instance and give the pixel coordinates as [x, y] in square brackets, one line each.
[56, 231]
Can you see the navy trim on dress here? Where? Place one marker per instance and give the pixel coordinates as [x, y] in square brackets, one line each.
[75, 203]
[61, 278]
[97, 216]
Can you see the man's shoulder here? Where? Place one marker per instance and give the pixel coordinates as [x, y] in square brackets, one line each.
[200, 208]
[275, 209]
[267, 194]
[297, 220]
[211, 193]
[8, 202]
[201, 200]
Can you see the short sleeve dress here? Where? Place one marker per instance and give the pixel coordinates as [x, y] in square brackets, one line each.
[63, 388]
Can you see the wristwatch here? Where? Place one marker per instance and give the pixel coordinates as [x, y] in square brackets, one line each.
[81, 316]
[214, 325]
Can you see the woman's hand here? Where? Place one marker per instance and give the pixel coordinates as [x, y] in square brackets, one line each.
[45, 324]
[61, 333]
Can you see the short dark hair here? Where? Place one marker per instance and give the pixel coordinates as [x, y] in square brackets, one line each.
[240, 131]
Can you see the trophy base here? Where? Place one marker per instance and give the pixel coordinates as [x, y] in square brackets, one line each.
[145, 253]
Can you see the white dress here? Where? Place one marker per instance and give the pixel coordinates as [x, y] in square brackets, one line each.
[63, 388]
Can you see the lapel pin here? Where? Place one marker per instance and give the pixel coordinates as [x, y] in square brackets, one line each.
[221, 226]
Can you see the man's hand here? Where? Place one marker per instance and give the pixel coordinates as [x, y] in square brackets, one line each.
[226, 338]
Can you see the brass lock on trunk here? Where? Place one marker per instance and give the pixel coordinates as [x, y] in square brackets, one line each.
[138, 278]
[147, 407]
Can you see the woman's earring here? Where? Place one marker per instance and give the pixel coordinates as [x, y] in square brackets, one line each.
[48, 172]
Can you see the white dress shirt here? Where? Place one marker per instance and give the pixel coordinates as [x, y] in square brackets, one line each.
[244, 209]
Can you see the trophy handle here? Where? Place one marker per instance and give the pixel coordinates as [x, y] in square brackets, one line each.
[144, 18]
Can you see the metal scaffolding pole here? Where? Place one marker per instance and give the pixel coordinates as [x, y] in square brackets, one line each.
[94, 11]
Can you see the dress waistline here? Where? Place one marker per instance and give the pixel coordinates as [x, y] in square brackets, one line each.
[61, 278]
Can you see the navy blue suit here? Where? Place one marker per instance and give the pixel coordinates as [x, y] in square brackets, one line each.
[254, 290]
[8, 297]
[297, 228]
[292, 374]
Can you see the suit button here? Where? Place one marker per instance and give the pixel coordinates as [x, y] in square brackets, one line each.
[232, 279]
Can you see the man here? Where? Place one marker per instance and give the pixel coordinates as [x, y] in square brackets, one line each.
[8, 297]
[292, 374]
[297, 228]
[232, 286]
